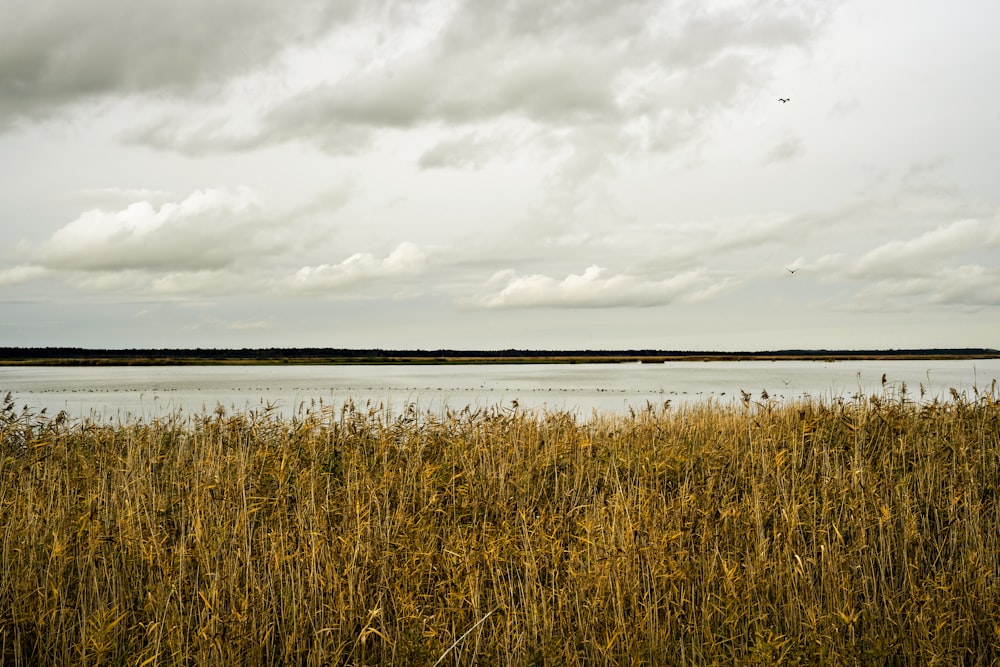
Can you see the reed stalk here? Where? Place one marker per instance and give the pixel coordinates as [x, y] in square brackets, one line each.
[811, 532]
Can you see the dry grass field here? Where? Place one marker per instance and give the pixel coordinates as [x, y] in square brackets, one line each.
[824, 532]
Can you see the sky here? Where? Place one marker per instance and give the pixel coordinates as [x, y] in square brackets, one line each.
[464, 174]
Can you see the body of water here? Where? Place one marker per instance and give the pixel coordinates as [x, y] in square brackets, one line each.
[120, 392]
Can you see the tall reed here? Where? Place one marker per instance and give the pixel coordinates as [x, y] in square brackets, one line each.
[818, 532]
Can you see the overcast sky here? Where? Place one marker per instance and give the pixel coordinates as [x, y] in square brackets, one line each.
[500, 173]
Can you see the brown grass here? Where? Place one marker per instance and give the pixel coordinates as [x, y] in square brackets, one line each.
[861, 532]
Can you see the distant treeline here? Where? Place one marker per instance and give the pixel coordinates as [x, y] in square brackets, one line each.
[85, 356]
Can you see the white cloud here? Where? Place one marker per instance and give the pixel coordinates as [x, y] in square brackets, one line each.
[940, 244]
[21, 274]
[360, 268]
[594, 288]
[209, 229]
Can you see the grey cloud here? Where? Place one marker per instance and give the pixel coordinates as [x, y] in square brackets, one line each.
[671, 33]
[785, 151]
[214, 134]
[705, 87]
[454, 88]
[553, 70]
[57, 52]
[324, 202]
[153, 283]
[170, 133]
[200, 282]
[466, 151]
[935, 268]
[473, 20]
[970, 285]
[740, 234]
[704, 35]
[844, 108]
[692, 243]
[921, 168]
[583, 64]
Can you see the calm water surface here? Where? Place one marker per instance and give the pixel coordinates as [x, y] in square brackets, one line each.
[110, 392]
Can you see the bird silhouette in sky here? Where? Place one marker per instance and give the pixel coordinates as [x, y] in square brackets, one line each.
[783, 99]
[792, 271]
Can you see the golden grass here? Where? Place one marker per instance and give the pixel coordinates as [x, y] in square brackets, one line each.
[860, 532]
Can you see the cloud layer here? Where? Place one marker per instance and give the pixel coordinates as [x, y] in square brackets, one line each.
[500, 170]
[213, 241]
[650, 72]
[56, 53]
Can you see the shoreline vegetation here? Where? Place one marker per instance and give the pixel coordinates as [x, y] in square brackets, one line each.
[65, 356]
[862, 531]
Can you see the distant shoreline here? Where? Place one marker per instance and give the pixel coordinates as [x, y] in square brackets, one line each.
[329, 356]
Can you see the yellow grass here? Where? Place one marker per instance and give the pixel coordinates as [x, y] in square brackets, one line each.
[860, 532]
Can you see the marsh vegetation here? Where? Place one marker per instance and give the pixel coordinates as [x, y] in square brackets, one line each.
[839, 532]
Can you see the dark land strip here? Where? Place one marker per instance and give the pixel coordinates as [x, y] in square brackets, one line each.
[71, 356]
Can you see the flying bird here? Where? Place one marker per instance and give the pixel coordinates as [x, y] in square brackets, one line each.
[791, 270]
[783, 99]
